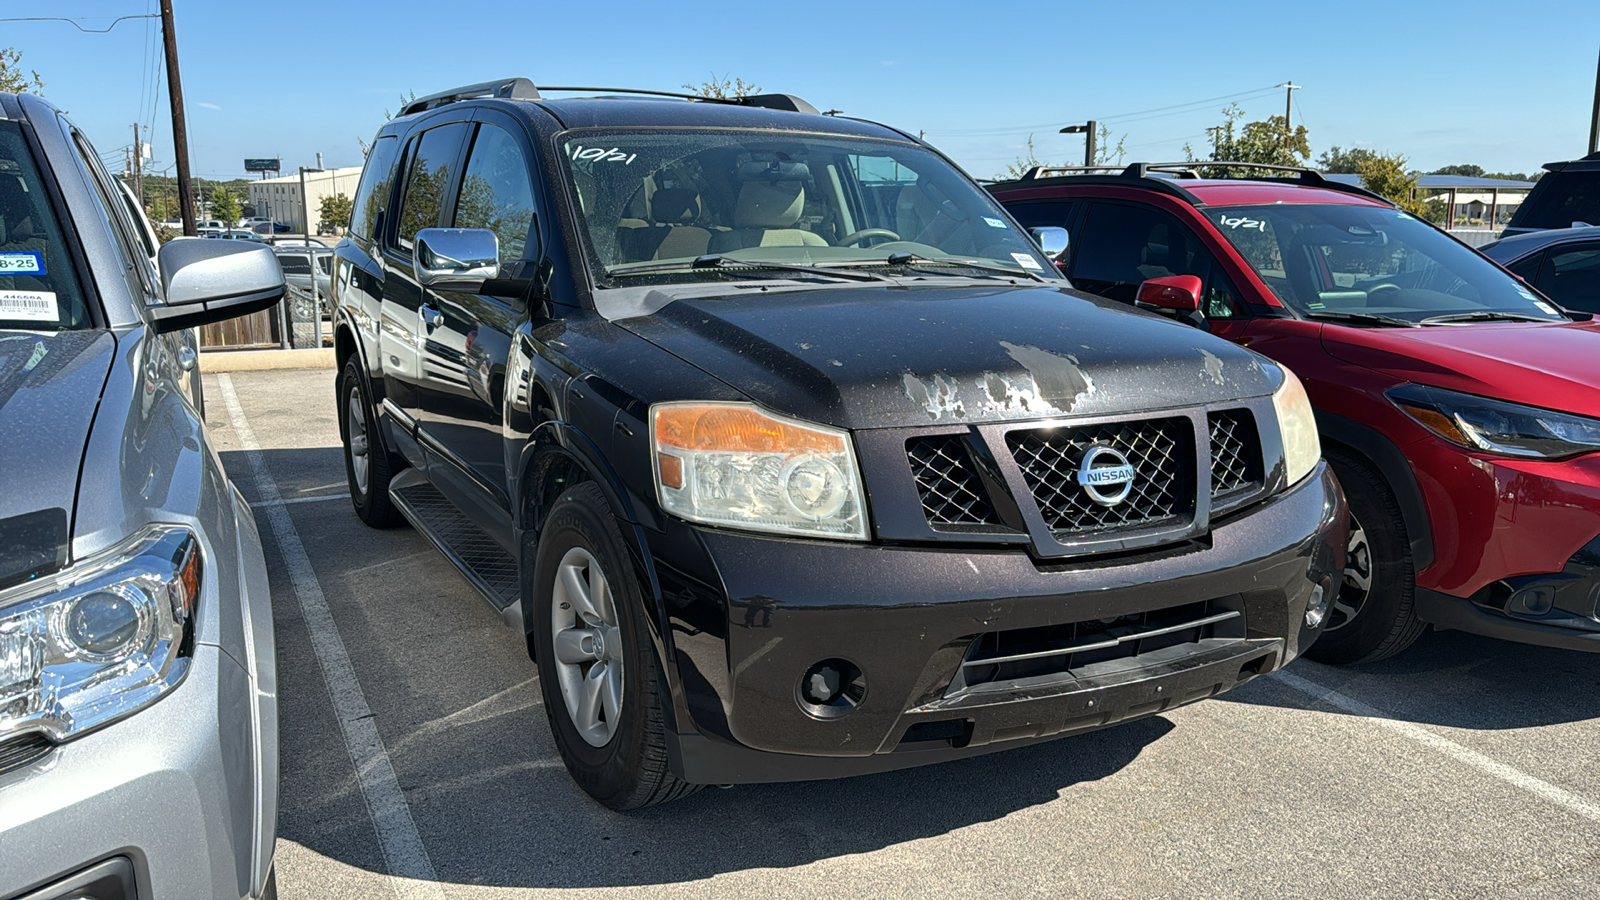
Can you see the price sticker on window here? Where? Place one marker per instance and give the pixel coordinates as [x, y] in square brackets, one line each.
[29, 306]
[26, 262]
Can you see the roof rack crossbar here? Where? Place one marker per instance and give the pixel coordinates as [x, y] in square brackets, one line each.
[507, 88]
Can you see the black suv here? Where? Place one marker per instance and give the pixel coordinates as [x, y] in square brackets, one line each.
[1568, 194]
[796, 457]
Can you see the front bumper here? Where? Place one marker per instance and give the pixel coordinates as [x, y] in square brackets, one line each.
[907, 618]
[170, 789]
[1560, 609]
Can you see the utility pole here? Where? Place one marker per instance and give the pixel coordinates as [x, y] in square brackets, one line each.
[138, 166]
[180, 130]
[1594, 126]
[1288, 107]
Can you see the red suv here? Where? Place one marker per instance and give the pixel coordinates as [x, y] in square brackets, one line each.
[1460, 409]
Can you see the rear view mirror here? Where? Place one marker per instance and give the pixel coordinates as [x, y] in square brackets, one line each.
[1180, 293]
[1053, 240]
[456, 259]
[210, 281]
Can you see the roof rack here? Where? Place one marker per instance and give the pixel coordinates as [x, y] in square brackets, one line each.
[506, 88]
[1165, 173]
[524, 89]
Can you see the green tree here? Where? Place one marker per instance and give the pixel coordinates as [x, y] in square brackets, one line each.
[1335, 160]
[1105, 154]
[1385, 174]
[13, 78]
[335, 210]
[224, 205]
[1466, 170]
[1254, 142]
[722, 88]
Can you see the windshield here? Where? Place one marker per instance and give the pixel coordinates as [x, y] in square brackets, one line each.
[1371, 261]
[653, 202]
[39, 288]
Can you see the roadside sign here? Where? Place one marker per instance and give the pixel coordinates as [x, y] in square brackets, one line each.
[263, 165]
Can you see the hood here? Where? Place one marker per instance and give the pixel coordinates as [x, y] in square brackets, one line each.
[878, 357]
[1553, 366]
[49, 389]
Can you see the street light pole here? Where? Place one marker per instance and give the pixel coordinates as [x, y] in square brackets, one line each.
[1089, 130]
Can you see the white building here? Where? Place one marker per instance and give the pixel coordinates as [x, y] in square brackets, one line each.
[280, 197]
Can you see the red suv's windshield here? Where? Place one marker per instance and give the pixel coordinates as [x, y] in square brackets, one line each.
[1337, 258]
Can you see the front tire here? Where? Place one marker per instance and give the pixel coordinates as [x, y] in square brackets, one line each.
[603, 693]
[367, 463]
[1374, 615]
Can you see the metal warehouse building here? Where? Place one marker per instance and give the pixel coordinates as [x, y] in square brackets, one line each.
[280, 197]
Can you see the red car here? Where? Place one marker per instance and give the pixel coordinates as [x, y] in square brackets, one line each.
[1459, 408]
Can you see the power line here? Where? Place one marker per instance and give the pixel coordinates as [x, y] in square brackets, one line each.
[74, 22]
[1121, 118]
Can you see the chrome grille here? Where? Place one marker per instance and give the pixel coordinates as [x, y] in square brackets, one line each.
[948, 482]
[1235, 452]
[1160, 451]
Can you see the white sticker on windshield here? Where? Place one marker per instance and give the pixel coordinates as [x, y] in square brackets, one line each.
[26, 262]
[995, 223]
[1244, 222]
[1547, 307]
[29, 306]
[1402, 216]
[1026, 261]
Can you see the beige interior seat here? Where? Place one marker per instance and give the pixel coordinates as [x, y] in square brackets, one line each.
[913, 212]
[674, 211]
[765, 215]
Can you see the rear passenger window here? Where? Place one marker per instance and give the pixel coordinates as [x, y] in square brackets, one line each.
[496, 193]
[377, 176]
[427, 178]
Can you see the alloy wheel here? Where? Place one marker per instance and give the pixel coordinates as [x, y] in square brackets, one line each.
[356, 445]
[1357, 584]
[588, 646]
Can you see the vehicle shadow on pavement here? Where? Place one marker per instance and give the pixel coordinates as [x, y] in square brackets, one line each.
[1457, 680]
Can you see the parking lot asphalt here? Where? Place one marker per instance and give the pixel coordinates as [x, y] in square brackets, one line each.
[416, 761]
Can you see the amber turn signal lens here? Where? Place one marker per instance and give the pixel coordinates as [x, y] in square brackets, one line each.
[736, 429]
[1437, 422]
[671, 470]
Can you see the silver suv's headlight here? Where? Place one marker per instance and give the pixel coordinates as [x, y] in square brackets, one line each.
[1302, 446]
[1495, 426]
[100, 639]
[733, 464]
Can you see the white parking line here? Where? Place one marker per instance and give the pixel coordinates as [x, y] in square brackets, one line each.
[263, 504]
[411, 873]
[1561, 797]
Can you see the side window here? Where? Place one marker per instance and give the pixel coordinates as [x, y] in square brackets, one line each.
[428, 176]
[117, 217]
[1040, 213]
[1122, 246]
[377, 176]
[496, 193]
[1571, 276]
[1527, 268]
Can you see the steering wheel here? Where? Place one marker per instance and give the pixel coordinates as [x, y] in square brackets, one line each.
[856, 237]
[1385, 286]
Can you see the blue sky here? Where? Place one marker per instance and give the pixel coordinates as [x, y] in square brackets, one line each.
[1506, 86]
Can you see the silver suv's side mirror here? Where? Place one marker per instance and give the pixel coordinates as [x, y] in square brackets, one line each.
[209, 281]
[1053, 240]
[456, 259]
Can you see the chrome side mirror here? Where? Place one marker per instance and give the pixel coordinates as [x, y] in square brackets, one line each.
[210, 281]
[455, 259]
[1053, 240]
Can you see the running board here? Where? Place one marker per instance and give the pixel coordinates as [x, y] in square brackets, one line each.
[483, 562]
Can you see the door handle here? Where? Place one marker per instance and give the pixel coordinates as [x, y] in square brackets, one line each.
[431, 318]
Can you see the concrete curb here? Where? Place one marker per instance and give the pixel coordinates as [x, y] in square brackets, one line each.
[257, 360]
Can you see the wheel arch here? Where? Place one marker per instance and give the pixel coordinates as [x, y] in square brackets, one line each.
[1393, 467]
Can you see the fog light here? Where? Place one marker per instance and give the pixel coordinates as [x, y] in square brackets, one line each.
[1532, 601]
[1316, 607]
[830, 689]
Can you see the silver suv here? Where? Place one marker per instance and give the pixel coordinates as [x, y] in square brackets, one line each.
[138, 713]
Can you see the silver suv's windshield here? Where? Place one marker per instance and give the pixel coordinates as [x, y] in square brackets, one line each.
[1372, 263]
[755, 204]
[39, 288]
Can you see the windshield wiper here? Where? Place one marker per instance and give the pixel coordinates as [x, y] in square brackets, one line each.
[910, 259]
[718, 261]
[1369, 318]
[1487, 315]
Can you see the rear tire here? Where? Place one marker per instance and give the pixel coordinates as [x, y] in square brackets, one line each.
[579, 590]
[1374, 615]
[368, 464]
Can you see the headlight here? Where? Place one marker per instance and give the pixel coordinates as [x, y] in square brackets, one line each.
[100, 639]
[1302, 446]
[732, 464]
[1495, 426]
